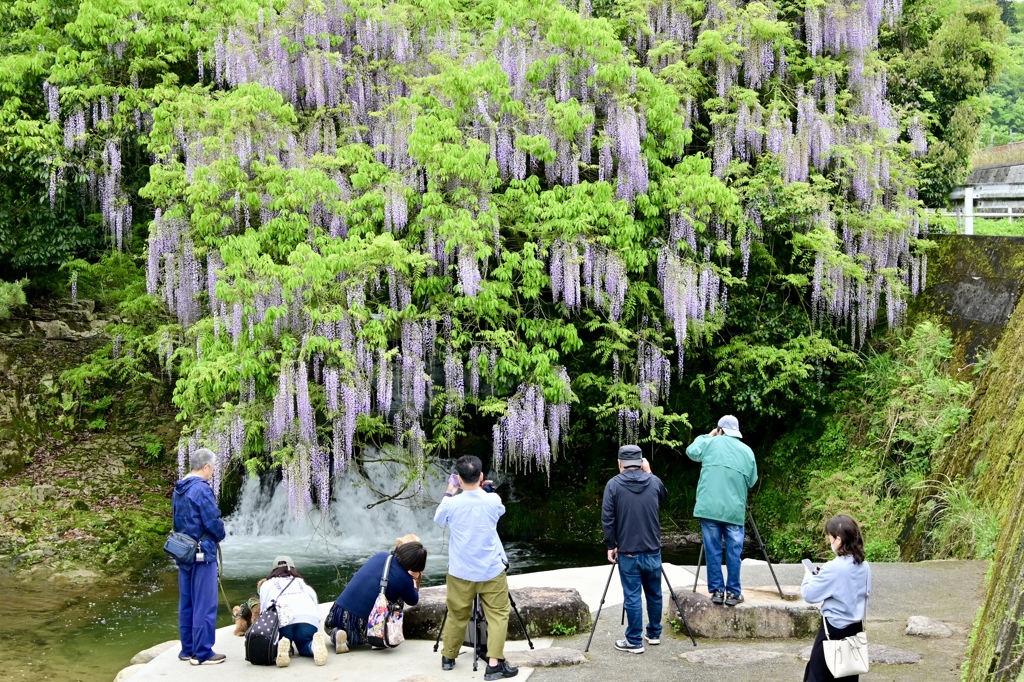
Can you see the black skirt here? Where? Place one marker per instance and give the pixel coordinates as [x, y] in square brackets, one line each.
[817, 670]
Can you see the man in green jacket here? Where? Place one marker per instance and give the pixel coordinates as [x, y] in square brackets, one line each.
[728, 471]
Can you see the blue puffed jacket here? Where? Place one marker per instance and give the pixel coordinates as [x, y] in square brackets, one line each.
[196, 514]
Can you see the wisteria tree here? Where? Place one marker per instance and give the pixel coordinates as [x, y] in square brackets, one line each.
[404, 224]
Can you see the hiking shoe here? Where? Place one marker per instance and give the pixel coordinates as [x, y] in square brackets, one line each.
[340, 639]
[500, 671]
[733, 599]
[319, 648]
[624, 645]
[284, 652]
[653, 641]
[718, 597]
[447, 663]
[212, 660]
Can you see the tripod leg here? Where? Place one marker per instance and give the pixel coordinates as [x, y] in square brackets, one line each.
[700, 560]
[515, 610]
[440, 630]
[679, 608]
[476, 631]
[593, 629]
[764, 551]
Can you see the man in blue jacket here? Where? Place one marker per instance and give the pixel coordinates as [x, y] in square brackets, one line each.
[632, 533]
[197, 515]
[728, 470]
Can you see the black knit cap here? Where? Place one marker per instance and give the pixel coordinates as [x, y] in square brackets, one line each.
[631, 456]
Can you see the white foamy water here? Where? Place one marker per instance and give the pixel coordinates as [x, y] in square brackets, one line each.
[357, 524]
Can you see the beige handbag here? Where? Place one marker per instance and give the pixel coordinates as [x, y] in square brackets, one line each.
[847, 656]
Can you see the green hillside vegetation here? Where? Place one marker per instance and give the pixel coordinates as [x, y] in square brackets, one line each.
[1005, 98]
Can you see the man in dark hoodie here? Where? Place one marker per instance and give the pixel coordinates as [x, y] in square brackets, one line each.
[197, 515]
[632, 533]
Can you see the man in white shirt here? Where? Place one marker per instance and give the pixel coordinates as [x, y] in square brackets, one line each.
[476, 566]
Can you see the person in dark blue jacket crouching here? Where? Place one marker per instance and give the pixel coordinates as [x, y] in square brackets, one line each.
[197, 515]
[345, 625]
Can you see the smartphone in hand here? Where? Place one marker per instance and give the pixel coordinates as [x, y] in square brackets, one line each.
[811, 568]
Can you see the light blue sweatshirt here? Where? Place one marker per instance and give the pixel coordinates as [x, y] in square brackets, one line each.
[842, 587]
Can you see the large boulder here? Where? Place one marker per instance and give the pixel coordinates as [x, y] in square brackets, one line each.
[543, 609]
[761, 616]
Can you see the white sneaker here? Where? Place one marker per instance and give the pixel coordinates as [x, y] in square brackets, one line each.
[653, 642]
[319, 648]
[284, 652]
[340, 638]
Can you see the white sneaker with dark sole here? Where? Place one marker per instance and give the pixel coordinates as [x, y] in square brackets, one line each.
[284, 652]
[655, 641]
[624, 645]
[319, 648]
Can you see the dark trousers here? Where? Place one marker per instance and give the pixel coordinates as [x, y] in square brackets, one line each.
[197, 609]
[638, 572]
[817, 670]
[301, 635]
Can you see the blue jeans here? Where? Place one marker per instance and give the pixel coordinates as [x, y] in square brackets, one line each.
[641, 570]
[197, 609]
[715, 534]
[301, 635]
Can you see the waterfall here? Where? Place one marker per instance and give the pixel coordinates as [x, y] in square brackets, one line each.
[356, 526]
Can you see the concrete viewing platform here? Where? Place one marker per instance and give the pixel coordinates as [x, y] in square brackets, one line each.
[415, 659]
[918, 621]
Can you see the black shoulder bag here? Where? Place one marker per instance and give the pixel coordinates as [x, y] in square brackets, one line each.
[180, 547]
[261, 639]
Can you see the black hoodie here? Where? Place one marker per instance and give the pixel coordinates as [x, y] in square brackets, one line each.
[629, 514]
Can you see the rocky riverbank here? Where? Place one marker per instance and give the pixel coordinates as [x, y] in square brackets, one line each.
[84, 480]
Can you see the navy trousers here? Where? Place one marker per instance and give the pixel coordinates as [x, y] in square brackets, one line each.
[197, 609]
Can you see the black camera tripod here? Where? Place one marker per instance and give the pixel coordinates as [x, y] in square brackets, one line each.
[477, 615]
[682, 615]
[760, 544]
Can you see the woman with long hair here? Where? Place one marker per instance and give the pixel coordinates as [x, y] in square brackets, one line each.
[842, 586]
[297, 610]
[346, 622]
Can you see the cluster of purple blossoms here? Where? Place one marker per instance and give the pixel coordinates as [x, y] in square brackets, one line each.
[530, 432]
[605, 279]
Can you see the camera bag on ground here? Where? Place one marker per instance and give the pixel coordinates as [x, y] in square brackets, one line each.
[261, 639]
[384, 626]
[479, 621]
[180, 547]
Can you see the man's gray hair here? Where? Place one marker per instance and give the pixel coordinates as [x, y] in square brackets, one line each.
[201, 458]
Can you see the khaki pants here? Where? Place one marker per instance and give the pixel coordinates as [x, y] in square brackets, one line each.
[494, 599]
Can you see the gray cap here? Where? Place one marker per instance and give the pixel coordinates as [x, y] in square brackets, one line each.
[730, 426]
[283, 560]
[631, 456]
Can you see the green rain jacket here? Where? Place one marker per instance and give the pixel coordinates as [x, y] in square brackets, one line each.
[727, 471]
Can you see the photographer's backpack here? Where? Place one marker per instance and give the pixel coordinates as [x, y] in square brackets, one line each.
[261, 639]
